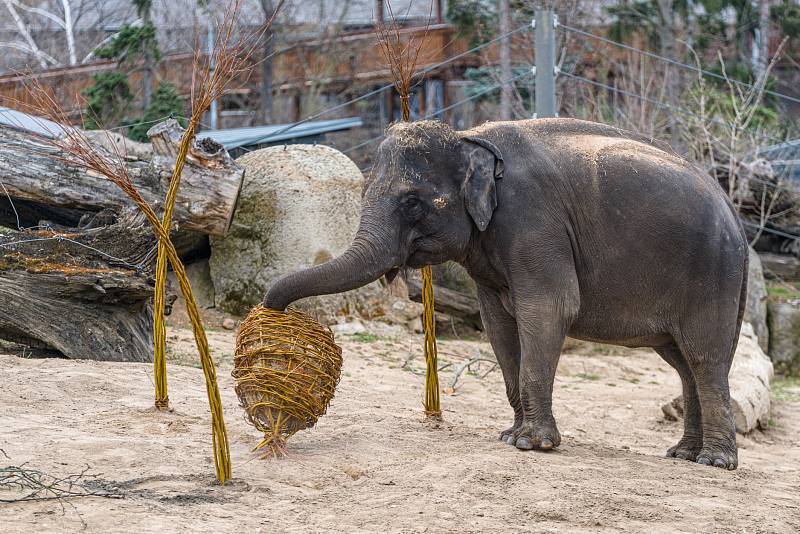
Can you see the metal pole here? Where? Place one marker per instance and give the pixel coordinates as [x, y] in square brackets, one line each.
[213, 112]
[545, 51]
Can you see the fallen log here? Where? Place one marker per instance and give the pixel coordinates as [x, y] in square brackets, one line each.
[43, 185]
[82, 293]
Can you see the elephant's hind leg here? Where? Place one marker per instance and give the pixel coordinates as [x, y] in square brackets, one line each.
[709, 358]
[691, 443]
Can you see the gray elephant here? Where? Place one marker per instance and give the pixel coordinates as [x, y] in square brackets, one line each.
[569, 228]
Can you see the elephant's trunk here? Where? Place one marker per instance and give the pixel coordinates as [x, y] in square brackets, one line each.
[368, 258]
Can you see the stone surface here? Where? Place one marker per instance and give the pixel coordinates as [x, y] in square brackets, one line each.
[784, 335]
[228, 324]
[755, 312]
[299, 206]
[352, 327]
[199, 276]
[749, 379]
[781, 266]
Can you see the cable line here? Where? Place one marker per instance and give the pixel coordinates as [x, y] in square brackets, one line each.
[374, 92]
[451, 106]
[675, 62]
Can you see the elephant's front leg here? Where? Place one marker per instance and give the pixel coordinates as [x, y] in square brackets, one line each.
[543, 327]
[501, 328]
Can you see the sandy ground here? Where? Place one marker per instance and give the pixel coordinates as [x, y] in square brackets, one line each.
[373, 465]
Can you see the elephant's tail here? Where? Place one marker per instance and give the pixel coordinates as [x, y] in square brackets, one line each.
[745, 276]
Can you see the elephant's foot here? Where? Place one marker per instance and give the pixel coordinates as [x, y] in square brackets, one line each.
[542, 436]
[686, 449]
[507, 435]
[716, 455]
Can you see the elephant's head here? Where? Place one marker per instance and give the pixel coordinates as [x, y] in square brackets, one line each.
[429, 191]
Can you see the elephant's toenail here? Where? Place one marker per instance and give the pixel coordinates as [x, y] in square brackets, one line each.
[524, 443]
[546, 444]
[720, 463]
[703, 461]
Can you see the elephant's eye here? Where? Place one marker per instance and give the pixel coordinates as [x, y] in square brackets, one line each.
[412, 206]
[412, 202]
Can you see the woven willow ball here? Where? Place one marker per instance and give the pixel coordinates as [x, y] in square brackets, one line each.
[286, 367]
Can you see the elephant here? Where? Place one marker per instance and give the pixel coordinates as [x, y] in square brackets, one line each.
[568, 228]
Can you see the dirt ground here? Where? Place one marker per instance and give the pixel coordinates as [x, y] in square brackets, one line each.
[372, 464]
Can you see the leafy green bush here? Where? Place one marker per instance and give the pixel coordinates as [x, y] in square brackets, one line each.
[108, 100]
[166, 102]
[131, 44]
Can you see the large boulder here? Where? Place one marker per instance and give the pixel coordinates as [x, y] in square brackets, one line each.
[749, 379]
[755, 312]
[299, 206]
[784, 335]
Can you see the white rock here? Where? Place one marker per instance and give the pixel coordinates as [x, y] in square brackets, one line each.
[354, 327]
[749, 380]
[299, 206]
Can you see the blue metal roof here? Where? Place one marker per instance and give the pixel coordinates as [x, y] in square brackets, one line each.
[31, 123]
[237, 137]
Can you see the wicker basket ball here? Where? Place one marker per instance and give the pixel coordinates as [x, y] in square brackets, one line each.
[286, 367]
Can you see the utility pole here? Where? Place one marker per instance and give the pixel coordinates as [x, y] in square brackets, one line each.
[213, 111]
[505, 61]
[149, 59]
[545, 25]
[761, 47]
[265, 104]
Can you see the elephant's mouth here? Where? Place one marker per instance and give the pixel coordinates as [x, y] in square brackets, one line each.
[391, 274]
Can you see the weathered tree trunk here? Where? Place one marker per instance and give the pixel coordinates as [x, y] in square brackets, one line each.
[36, 174]
[85, 293]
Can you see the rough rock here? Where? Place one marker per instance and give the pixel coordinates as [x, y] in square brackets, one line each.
[299, 206]
[755, 312]
[200, 279]
[352, 327]
[749, 381]
[228, 324]
[784, 335]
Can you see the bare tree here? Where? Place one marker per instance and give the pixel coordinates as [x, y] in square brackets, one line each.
[64, 20]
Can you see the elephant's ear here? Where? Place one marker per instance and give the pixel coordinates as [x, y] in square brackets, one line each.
[484, 164]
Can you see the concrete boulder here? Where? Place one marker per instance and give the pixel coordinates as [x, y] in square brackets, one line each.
[299, 206]
[755, 311]
[784, 331]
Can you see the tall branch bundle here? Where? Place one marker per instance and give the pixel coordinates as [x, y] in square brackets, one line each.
[79, 151]
[211, 76]
[402, 59]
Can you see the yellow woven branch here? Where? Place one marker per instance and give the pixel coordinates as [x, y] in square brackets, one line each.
[166, 251]
[159, 300]
[432, 407]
